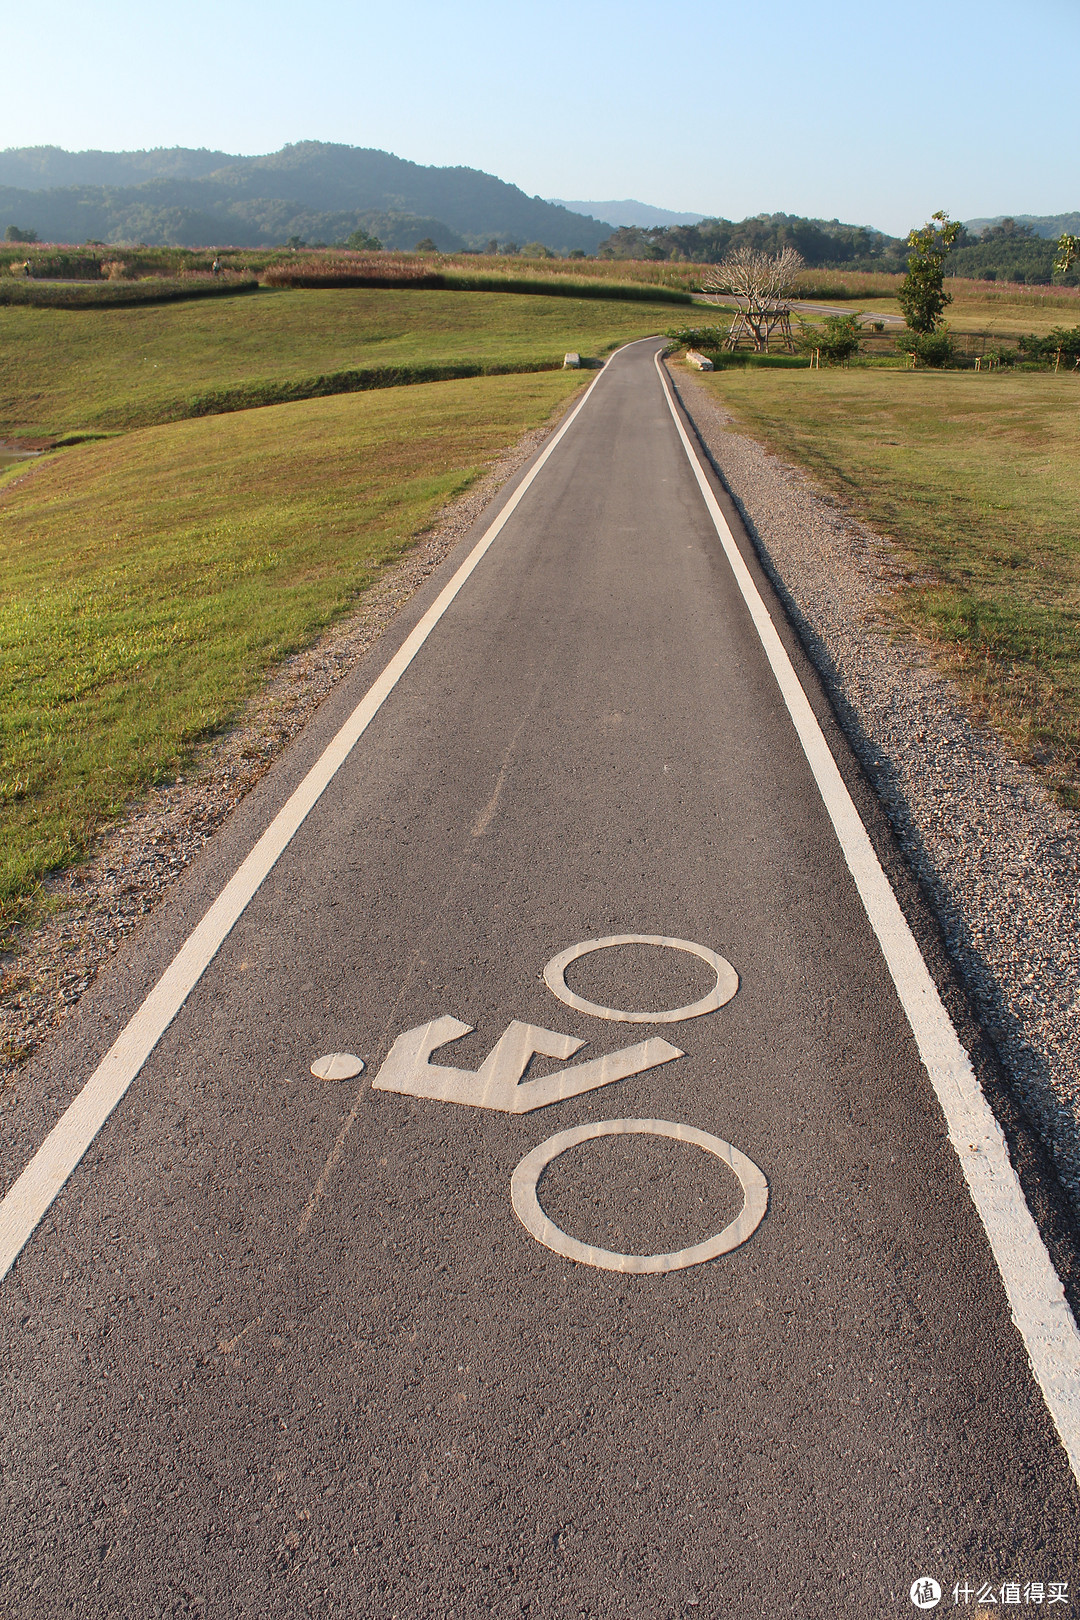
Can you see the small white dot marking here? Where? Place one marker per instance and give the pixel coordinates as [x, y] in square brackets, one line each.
[337, 1066]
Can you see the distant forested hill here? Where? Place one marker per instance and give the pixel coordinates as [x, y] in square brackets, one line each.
[313, 190]
[1049, 225]
[1010, 250]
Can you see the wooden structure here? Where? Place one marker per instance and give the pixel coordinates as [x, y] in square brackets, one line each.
[758, 324]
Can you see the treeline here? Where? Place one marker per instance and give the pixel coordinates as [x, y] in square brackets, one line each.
[824, 244]
[1007, 251]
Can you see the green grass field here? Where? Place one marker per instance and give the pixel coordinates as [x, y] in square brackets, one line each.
[148, 582]
[976, 476]
[62, 371]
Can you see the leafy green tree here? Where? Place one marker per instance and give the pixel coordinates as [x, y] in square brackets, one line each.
[361, 242]
[14, 234]
[1068, 249]
[536, 250]
[922, 294]
[426, 245]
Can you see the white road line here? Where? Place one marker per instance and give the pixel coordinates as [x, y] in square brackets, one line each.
[30, 1196]
[1036, 1296]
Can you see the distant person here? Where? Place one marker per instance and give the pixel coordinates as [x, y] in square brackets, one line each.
[215, 268]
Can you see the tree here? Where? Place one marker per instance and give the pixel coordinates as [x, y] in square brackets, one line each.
[426, 245]
[763, 283]
[361, 242]
[922, 294]
[14, 234]
[536, 250]
[1068, 249]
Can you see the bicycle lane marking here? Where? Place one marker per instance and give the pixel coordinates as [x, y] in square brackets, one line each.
[500, 1084]
[1033, 1288]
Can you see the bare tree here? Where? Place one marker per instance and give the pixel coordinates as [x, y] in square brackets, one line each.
[763, 285]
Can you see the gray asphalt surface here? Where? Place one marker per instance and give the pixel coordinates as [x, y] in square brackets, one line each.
[282, 1347]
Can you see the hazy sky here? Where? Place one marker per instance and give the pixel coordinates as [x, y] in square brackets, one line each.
[875, 113]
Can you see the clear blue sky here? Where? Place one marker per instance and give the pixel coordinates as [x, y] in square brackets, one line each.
[875, 113]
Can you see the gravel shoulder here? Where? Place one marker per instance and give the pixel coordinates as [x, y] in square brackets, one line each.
[96, 904]
[997, 857]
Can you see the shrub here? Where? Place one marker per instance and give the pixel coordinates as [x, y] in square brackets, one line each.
[935, 348]
[836, 339]
[698, 337]
[1062, 343]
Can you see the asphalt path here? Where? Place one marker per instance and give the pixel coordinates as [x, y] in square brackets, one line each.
[282, 1346]
[865, 315]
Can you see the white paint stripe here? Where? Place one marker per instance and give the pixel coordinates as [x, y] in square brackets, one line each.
[30, 1196]
[1036, 1296]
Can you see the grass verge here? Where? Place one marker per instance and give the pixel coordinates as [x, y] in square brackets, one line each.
[147, 583]
[976, 477]
[62, 370]
[122, 294]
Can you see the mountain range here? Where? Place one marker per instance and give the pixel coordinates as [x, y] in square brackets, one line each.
[628, 211]
[312, 190]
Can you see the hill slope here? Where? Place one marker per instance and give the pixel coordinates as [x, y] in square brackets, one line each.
[1048, 225]
[313, 189]
[628, 211]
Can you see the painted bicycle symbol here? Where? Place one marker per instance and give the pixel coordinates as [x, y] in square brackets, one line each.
[499, 1083]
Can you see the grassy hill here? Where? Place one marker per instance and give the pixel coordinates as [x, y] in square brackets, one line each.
[65, 371]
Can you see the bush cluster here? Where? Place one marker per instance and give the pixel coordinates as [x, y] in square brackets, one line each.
[836, 340]
[936, 348]
[704, 338]
[1063, 341]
